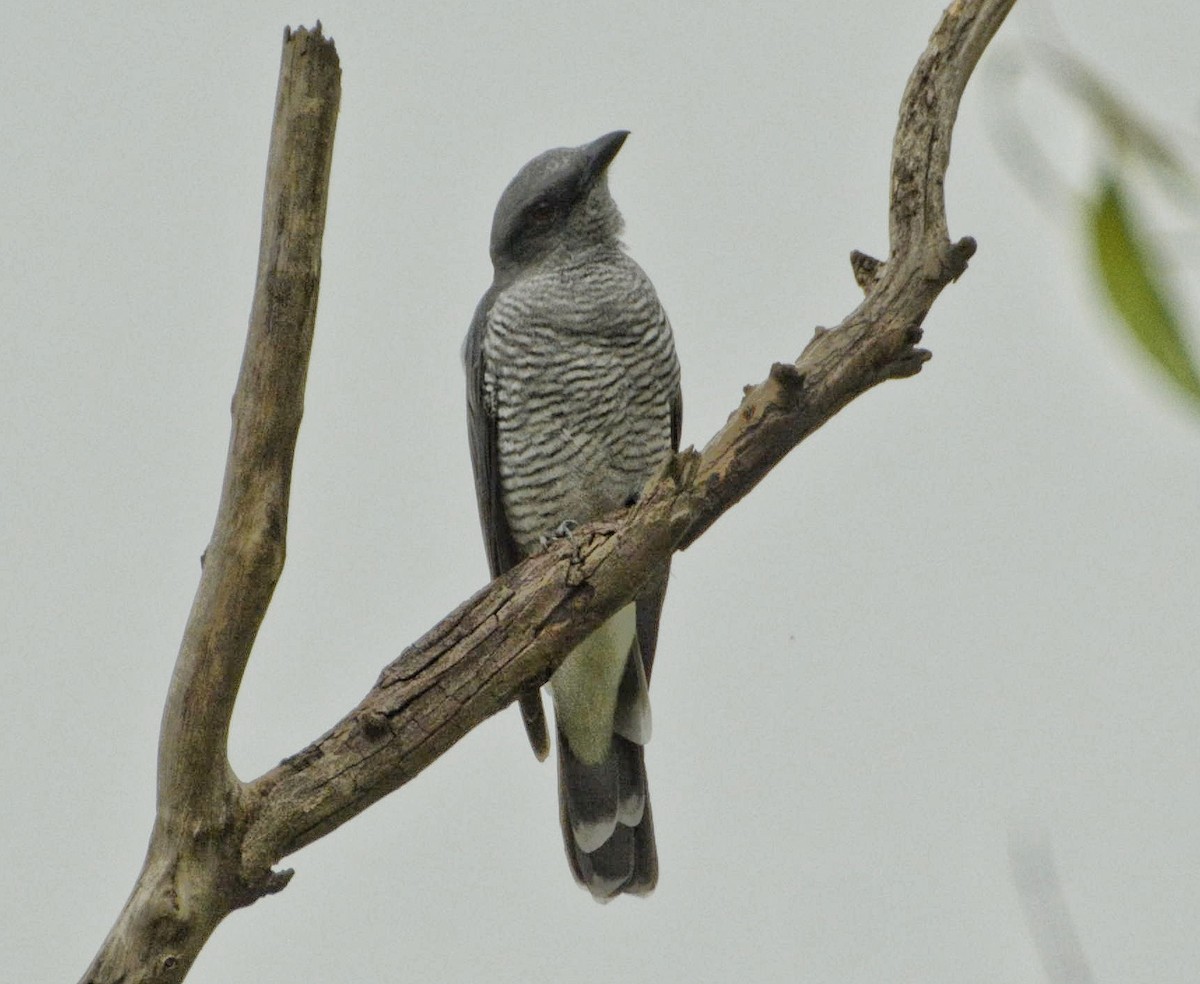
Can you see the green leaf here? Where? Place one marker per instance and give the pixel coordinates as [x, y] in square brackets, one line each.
[1132, 280]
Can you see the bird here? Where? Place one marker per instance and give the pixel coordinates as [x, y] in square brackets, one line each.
[573, 404]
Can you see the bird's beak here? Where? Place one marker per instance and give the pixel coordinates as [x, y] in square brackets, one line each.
[600, 152]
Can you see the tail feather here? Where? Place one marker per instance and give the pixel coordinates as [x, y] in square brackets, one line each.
[607, 828]
[588, 797]
[632, 717]
[604, 802]
[606, 870]
[645, 855]
[631, 781]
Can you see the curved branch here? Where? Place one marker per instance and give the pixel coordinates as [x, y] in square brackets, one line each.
[921, 149]
[215, 840]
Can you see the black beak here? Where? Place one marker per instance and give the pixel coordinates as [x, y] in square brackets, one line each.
[600, 152]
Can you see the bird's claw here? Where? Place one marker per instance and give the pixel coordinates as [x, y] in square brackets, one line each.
[562, 532]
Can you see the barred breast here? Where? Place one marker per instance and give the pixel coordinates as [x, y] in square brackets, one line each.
[581, 373]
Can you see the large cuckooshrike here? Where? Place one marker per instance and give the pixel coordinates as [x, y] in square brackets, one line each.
[573, 403]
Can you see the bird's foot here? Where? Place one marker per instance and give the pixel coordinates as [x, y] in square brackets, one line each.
[562, 532]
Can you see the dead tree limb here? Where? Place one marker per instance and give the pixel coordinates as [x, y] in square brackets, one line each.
[192, 876]
[216, 839]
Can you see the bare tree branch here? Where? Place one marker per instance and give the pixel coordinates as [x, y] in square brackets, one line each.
[191, 877]
[215, 840]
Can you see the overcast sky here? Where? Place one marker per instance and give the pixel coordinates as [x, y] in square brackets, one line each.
[966, 608]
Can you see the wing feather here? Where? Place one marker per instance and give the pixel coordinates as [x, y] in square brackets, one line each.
[497, 535]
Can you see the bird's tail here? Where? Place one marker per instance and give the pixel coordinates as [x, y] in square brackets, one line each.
[604, 809]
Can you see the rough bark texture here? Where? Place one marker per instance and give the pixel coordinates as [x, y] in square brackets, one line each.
[193, 876]
[215, 839]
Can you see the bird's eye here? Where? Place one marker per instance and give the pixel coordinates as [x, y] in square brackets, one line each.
[540, 215]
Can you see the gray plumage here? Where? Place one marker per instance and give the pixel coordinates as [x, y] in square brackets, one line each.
[573, 403]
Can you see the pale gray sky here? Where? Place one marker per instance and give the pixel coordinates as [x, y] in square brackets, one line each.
[967, 606]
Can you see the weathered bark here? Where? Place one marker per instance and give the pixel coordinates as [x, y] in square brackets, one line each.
[193, 876]
[215, 839]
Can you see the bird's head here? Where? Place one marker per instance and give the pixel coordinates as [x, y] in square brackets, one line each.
[557, 204]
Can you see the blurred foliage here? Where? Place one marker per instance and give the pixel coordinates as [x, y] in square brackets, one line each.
[1126, 251]
[1132, 279]
[1132, 137]
[1130, 269]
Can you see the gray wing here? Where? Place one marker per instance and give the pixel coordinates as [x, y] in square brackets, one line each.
[497, 536]
[481, 425]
